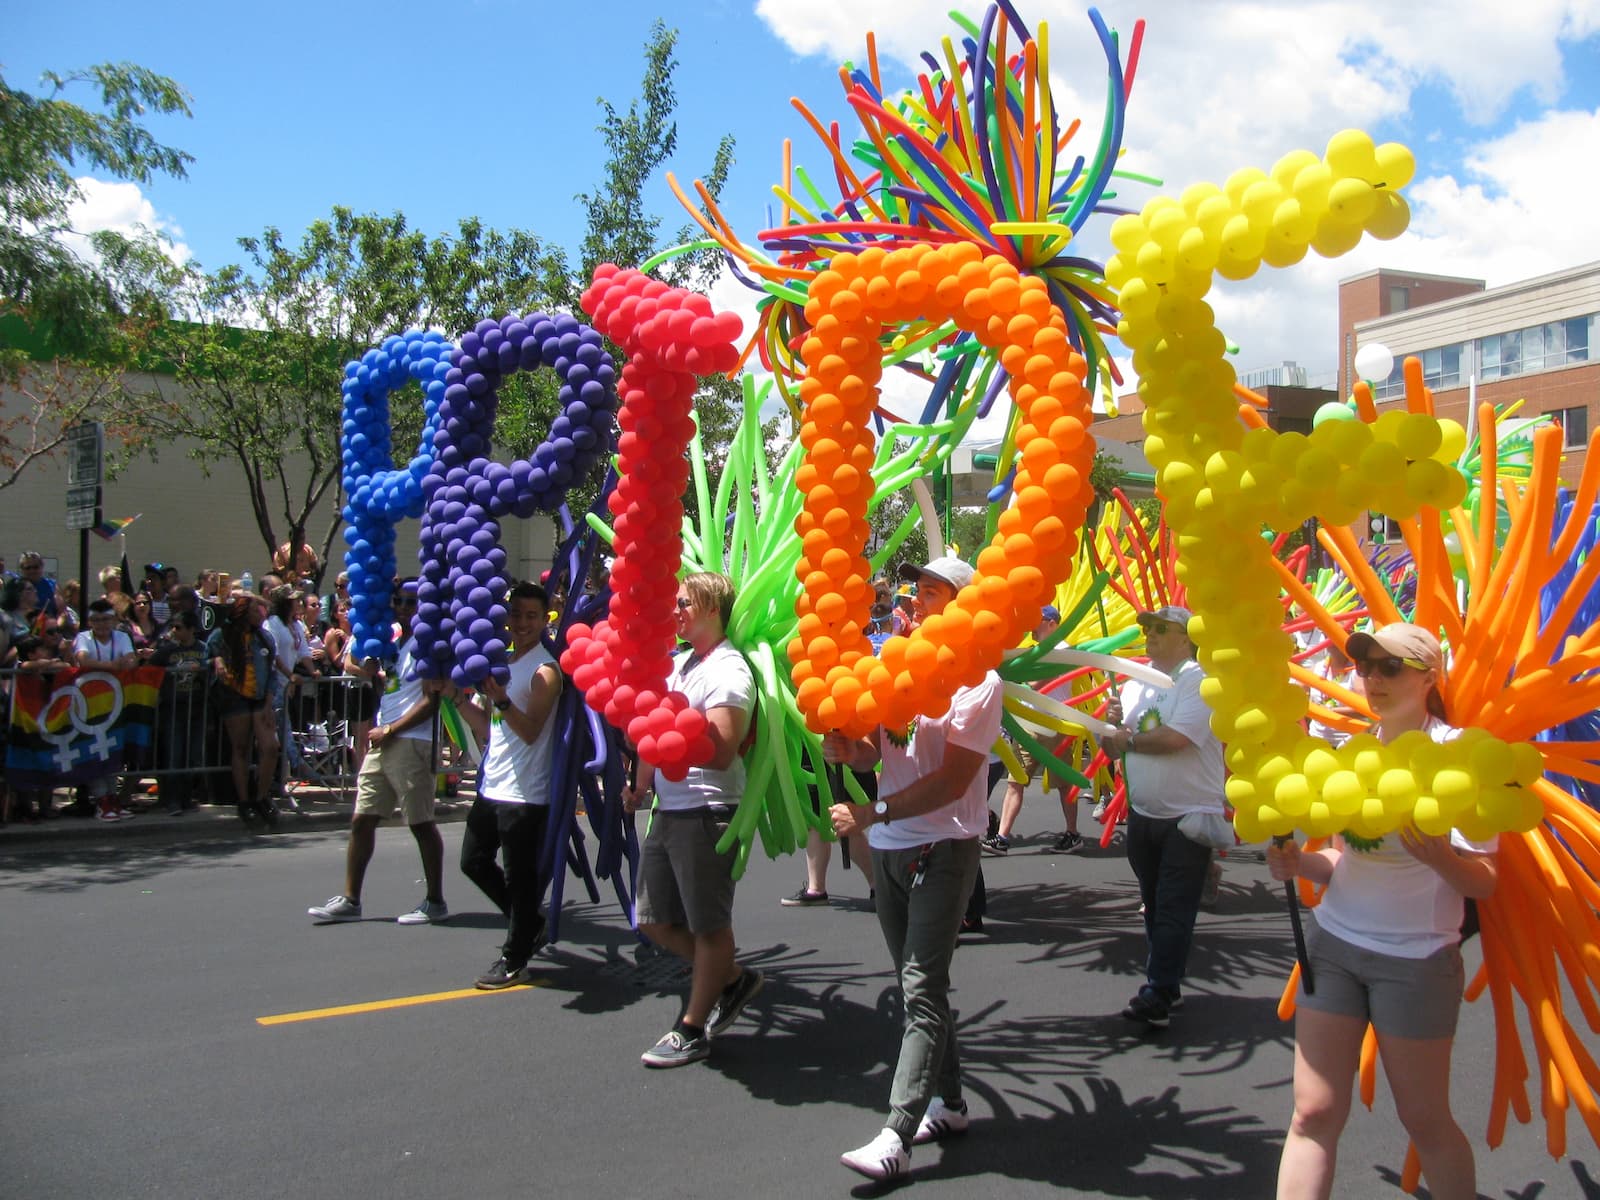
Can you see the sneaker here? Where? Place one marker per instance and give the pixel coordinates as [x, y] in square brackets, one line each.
[940, 1121]
[1068, 843]
[971, 924]
[338, 908]
[677, 1049]
[108, 814]
[995, 844]
[1098, 812]
[884, 1157]
[502, 975]
[426, 913]
[1149, 1006]
[804, 898]
[733, 999]
[994, 824]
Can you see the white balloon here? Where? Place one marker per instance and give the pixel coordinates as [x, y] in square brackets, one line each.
[1374, 362]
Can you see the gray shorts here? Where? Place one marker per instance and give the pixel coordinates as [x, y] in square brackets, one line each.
[1403, 997]
[682, 878]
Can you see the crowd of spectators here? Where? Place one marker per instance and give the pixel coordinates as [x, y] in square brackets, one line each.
[156, 618]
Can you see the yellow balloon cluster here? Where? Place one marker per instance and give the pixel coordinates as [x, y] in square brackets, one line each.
[1220, 481]
[1173, 246]
[1477, 784]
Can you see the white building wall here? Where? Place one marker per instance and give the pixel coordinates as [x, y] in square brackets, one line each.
[193, 520]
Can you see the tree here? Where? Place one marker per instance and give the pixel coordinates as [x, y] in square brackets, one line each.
[257, 366]
[99, 311]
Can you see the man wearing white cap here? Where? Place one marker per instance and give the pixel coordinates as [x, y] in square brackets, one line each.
[932, 807]
[1173, 767]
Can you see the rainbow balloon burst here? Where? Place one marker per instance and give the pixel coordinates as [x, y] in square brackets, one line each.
[974, 153]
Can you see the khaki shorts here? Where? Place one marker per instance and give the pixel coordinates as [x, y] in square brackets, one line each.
[1402, 997]
[397, 776]
[682, 879]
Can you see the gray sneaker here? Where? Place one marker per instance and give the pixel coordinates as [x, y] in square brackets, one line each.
[339, 908]
[677, 1049]
[426, 913]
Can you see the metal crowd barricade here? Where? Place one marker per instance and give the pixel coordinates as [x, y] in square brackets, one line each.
[187, 740]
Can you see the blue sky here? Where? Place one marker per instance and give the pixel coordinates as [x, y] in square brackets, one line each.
[448, 110]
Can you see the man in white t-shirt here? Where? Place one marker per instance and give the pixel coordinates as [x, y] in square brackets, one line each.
[396, 775]
[1173, 767]
[931, 809]
[684, 901]
[512, 809]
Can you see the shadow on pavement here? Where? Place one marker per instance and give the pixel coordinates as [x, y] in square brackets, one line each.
[98, 863]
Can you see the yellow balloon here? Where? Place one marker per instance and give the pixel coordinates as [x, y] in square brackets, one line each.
[1389, 217]
[1351, 152]
[1394, 165]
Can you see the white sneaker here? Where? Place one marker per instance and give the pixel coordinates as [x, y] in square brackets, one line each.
[426, 913]
[939, 1122]
[338, 908]
[884, 1157]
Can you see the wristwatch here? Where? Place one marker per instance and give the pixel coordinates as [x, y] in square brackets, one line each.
[502, 705]
[880, 809]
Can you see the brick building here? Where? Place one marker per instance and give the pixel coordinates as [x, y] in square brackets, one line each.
[1537, 340]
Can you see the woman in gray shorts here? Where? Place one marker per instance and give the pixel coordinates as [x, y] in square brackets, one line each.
[1385, 950]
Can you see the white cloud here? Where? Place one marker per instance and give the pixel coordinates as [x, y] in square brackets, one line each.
[122, 208]
[1232, 84]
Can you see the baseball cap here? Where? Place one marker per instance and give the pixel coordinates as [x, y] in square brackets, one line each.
[1173, 614]
[1400, 640]
[945, 569]
[1050, 613]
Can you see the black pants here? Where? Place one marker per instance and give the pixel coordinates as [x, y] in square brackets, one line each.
[1171, 871]
[517, 832]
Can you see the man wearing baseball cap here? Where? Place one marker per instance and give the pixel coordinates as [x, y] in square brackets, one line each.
[923, 829]
[1172, 763]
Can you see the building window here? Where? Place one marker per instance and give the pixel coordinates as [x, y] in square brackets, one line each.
[1574, 424]
[1441, 368]
[1399, 299]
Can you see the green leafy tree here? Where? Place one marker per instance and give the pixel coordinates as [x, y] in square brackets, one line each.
[97, 311]
[256, 369]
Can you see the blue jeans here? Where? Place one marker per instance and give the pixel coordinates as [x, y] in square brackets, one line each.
[1172, 872]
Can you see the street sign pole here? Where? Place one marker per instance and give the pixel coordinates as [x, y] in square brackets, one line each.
[85, 474]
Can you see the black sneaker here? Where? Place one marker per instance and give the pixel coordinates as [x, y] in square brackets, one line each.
[995, 845]
[804, 898]
[1067, 843]
[502, 975]
[971, 924]
[733, 999]
[1149, 1006]
[677, 1049]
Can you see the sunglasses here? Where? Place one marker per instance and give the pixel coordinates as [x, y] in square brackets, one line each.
[1389, 668]
[1162, 628]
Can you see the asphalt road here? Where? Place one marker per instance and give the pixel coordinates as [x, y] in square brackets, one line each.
[134, 1063]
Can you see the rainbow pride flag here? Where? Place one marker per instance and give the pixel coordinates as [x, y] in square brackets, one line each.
[75, 724]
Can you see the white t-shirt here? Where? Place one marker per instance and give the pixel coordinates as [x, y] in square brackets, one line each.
[515, 771]
[973, 723]
[1167, 786]
[120, 644]
[282, 643]
[721, 679]
[401, 689]
[1382, 899]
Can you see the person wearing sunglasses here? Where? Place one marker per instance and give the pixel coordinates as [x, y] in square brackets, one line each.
[684, 900]
[1385, 949]
[1172, 765]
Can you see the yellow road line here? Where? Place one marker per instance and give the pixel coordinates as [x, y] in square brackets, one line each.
[350, 1010]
